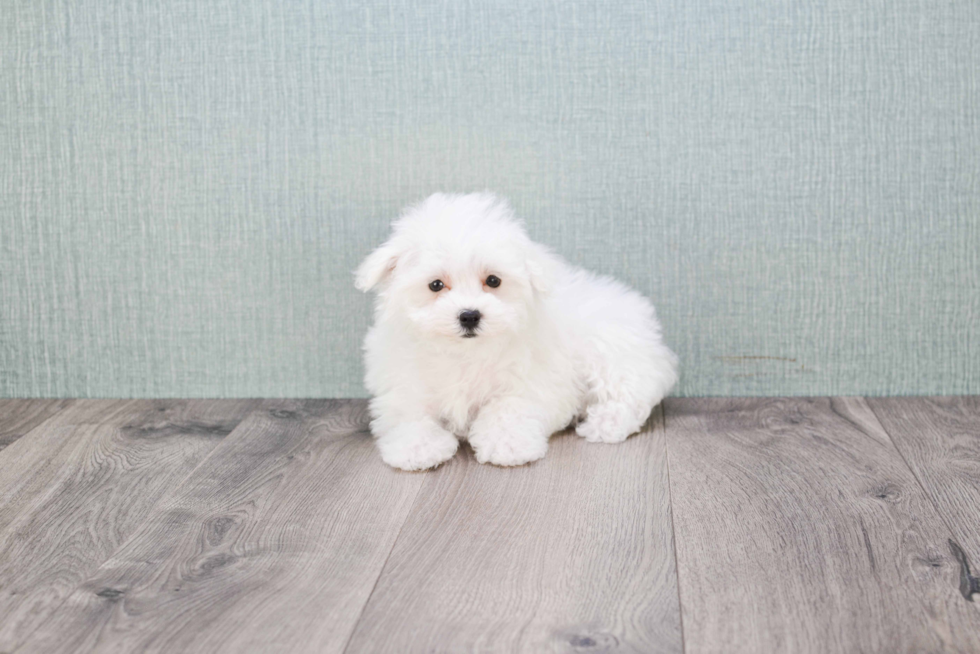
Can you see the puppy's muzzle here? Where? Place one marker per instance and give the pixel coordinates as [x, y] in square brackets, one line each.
[469, 320]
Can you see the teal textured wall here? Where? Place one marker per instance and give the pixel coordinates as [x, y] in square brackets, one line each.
[185, 186]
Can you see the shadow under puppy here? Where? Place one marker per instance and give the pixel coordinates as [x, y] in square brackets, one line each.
[482, 334]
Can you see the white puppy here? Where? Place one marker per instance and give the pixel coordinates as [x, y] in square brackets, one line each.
[482, 334]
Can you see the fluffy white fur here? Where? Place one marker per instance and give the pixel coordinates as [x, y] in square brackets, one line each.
[555, 344]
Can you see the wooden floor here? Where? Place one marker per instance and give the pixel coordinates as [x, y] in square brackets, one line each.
[729, 525]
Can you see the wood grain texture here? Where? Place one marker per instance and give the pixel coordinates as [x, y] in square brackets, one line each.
[940, 440]
[17, 417]
[800, 529]
[274, 543]
[570, 554]
[78, 485]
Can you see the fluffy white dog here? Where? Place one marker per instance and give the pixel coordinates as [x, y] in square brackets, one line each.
[482, 334]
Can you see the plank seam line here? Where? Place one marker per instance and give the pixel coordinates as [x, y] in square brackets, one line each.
[71, 403]
[673, 529]
[374, 587]
[908, 465]
[136, 529]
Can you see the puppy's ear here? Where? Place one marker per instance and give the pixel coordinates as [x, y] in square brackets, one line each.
[376, 268]
[542, 267]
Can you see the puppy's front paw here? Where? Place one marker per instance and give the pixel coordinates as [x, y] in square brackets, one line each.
[417, 446]
[506, 442]
[610, 422]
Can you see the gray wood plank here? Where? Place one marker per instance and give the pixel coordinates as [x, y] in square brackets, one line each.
[76, 486]
[572, 553]
[800, 529]
[273, 544]
[940, 439]
[17, 417]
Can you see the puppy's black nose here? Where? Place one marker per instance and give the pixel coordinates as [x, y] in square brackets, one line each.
[469, 319]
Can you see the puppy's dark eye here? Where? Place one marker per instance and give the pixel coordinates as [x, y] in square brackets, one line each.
[436, 286]
[493, 281]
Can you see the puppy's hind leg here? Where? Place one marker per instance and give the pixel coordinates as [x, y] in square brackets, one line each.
[623, 390]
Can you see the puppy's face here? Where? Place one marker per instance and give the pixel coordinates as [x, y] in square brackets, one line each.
[458, 268]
